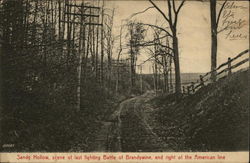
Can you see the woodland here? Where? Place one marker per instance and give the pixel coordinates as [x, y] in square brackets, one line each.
[64, 72]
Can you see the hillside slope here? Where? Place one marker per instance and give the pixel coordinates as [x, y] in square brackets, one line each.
[215, 118]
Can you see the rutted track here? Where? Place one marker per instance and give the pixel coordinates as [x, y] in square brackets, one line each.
[136, 133]
[129, 130]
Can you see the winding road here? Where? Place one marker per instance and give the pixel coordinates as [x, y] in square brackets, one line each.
[129, 130]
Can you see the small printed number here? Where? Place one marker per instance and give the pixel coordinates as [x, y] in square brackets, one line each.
[8, 145]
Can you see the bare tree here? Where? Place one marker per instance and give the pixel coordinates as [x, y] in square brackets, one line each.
[109, 39]
[118, 59]
[102, 46]
[136, 34]
[215, 19]
[172, 20]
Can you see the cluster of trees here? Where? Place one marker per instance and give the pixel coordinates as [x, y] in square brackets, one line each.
[56, 68]
[136, 33]
[162, 58]
[172, 19]
[45, 42]
[163, 48]
[166, 47]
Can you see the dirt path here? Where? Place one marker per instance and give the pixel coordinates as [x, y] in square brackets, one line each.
[136, 133]
[129, 130]
[108, 138]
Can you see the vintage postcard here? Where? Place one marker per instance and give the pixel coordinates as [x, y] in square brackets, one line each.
[124, 81]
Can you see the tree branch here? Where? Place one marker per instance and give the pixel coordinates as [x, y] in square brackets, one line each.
[120, 44]
[157, 8]
[173, 3]
[141, 12]
[167, 54]
[159, 38]
[219, 15]
[151, 25]
[182, 3]
[177, 12]
[153, 56]
[170, 14]
[152, 44]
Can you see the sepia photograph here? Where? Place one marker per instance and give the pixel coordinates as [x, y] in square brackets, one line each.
[115, 76]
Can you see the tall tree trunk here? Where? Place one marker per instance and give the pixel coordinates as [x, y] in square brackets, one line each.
[176, 64]
[165, 74]
[170, 74]
[167, 66]
[118, 61]
[102, 47]
[97, 53]
[166, 81]
[68, 32]
[213, 39]
[131, 72]
[156, 74]
[117, 78]
[154, 81]
[141, 83]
